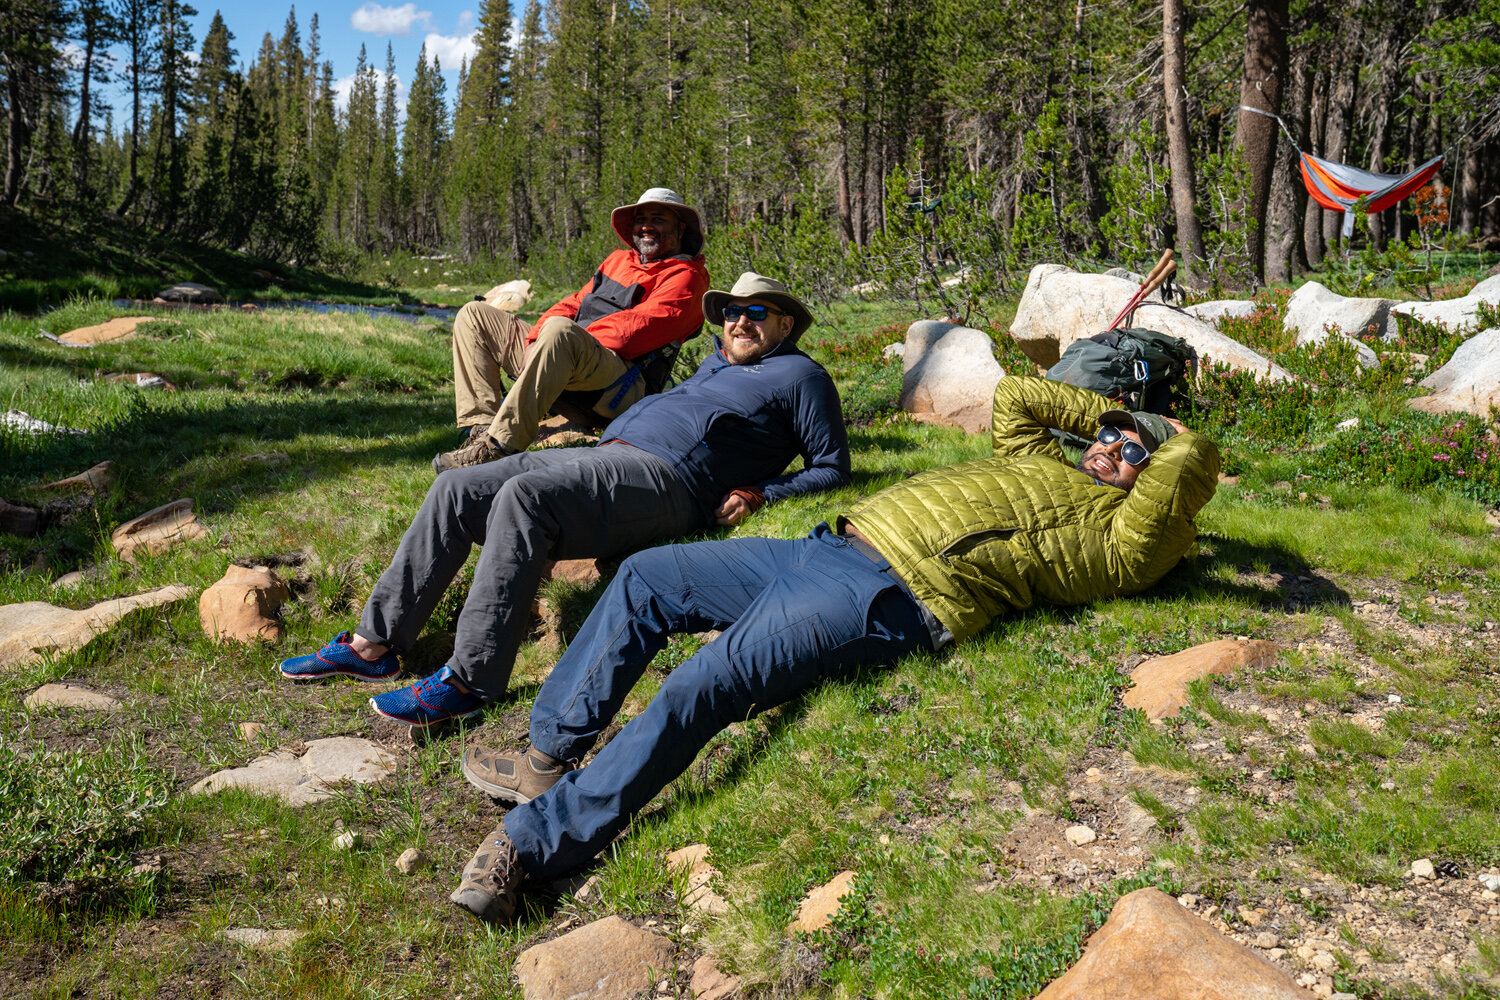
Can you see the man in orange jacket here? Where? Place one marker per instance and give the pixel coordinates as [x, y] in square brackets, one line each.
[639, 301]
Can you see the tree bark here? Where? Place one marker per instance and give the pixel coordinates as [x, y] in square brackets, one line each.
[1265, 71]
[1313, 139]
[15, 135]
[1179, 149]
[1343, 89]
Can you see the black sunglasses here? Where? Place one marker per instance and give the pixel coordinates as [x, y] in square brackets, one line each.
[756, 312]
[1130, 451]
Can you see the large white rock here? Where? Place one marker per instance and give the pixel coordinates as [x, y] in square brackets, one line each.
[1313, 308]
[307, 774]
[34, 628]
[1211, 312]
[1470, 381]
[1454, 313]
[949, 373]
[1060, 305]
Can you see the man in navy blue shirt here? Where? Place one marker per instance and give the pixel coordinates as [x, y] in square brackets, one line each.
[709, 451]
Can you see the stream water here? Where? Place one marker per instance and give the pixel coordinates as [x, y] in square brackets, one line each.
[411, 314]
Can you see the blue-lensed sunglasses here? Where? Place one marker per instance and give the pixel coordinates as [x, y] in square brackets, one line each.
[755, 311]
[1130, 451]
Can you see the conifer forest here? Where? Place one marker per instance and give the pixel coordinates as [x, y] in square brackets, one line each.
[863, 140]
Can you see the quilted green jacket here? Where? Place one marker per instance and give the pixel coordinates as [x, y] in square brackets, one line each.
[996, 534]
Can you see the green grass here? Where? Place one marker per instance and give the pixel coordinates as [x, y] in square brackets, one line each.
[308, 437]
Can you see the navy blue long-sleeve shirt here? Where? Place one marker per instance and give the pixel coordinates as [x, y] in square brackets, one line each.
[735, 427]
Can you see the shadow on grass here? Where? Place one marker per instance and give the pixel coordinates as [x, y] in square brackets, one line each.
[1226, 567]
[157, 448]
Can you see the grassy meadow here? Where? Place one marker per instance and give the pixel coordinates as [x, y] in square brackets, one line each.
[1286, 807]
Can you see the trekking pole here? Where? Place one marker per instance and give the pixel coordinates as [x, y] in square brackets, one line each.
[1163, 270]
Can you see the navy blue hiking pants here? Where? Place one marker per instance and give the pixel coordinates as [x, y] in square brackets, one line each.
[793, 613]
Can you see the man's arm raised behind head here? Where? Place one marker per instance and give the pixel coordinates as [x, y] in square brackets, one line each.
[1155, 526]
[1027, 408]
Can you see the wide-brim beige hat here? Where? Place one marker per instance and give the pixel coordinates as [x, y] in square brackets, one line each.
[757, 286]
[623, 218]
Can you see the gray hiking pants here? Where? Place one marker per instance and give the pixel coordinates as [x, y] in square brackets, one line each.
[522, 510]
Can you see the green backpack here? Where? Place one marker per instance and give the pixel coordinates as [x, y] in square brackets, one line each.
[1139, 369]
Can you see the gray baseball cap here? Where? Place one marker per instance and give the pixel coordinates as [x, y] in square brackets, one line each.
[1152, 427]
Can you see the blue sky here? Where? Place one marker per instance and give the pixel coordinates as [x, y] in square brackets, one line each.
[445, 26]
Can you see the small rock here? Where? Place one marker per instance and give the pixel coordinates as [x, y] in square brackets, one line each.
[1323, 960]
[191, 292]
[581, 572]
[34, 628]
[349, 840]
[609, 959]
[16, 520]
[410, 860]
[93, 480]
[1161, 682]
[587, 889]
[1388, 785]
[1080, 835]
[310, 773]
[511, 296]
[261, 939]
[1152, 947]
[896, 350]
[70, 696]
[1490, 882]
[142, 380]
[242, 605]
[819, 906]
[709, 983]
[250, 731]
[158, 530]
[1423, 868]
[118, 328]
[1347, 425]
[1393, 699]
[1266, 940]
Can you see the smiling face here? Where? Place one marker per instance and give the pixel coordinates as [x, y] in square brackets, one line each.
[746, 341]
[1103, 461]
[656, 232]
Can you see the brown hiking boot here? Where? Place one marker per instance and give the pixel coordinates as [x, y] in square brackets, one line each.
[514, 776]
[492, 882]
[480, 448]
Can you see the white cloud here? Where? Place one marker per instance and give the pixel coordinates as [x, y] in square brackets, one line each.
[344, 85]
[450, 50]
[465, 20]
[378, 20]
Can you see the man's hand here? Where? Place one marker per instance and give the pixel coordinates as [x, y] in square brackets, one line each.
[733, 510]
[1175, 424]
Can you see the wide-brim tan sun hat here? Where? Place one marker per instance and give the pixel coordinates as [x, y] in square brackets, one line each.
[757, 286]
[623, 218]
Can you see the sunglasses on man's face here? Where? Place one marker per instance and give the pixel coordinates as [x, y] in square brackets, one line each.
[1130, 451]
[756, 312]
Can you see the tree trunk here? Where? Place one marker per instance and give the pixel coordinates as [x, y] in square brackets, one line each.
[1343, 89]
[1468, 191]
[85, 111]
[1179, 149]
[1265, 70]
[1384, 60]
[1313, 139]
[16, 136]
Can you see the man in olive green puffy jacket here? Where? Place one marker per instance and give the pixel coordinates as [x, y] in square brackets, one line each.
[925, 562]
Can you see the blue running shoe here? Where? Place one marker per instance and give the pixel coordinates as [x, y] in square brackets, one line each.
[338, 657]
[429, 701]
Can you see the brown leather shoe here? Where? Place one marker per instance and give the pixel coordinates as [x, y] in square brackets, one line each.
[477, 450]
[515, 776]
[492, 882]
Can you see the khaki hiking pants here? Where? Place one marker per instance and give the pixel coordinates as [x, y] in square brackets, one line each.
[488, 341]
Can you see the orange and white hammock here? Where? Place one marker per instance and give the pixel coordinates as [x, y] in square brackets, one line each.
[1338, 186]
